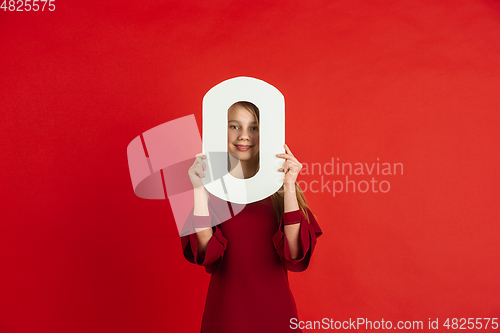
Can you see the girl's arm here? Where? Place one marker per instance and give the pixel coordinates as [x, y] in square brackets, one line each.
[203, 235]
[202, 244]
[291, 168]
[196, 172]
[292, 231]
[296, 238]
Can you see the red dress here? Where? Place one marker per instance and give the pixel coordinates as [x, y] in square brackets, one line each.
[248, 257]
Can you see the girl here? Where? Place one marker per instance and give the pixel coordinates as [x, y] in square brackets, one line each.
[249, 255]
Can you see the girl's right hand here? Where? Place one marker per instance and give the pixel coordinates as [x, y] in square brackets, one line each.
[197, 170]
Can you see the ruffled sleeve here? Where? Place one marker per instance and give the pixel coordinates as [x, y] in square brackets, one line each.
[309, 232]
[217, 244]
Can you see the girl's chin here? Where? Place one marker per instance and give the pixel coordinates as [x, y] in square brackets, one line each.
[244, 155]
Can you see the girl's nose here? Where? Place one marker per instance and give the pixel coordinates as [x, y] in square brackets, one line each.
[244, 135]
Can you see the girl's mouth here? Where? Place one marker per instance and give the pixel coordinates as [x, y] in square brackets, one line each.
[243, 147]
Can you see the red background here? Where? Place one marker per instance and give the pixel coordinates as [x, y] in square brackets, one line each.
[415, 82]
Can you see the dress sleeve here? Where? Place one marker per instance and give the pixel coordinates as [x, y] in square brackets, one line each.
[309, 232]
[217, 244]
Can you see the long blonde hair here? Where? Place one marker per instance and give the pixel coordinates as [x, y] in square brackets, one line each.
[278, 197]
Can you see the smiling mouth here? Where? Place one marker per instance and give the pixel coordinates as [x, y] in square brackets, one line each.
[243, 147]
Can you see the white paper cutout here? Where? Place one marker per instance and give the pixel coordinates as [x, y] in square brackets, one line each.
[271, 104]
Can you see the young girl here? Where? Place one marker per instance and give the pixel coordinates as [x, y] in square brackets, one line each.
[250, 254]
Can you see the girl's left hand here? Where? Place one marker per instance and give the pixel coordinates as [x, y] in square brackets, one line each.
[291, 167]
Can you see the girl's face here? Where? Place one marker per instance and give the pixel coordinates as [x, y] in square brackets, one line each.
[242, 134]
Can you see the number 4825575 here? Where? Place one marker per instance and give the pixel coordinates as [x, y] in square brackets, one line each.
[28, 5]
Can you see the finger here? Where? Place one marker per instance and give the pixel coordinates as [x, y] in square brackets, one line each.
[201, 155]
[284, 170]
[199, 161]
[289, 157]
[285, 155]
[289, 163]
[293, 161]
[292, 166]
[287, 149]
[200, 171]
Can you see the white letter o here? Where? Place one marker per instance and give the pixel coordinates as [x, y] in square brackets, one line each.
[271, 104]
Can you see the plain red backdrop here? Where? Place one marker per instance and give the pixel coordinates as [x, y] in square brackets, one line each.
[415, 82]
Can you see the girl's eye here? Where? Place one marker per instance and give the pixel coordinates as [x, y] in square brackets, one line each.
[255, 128]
